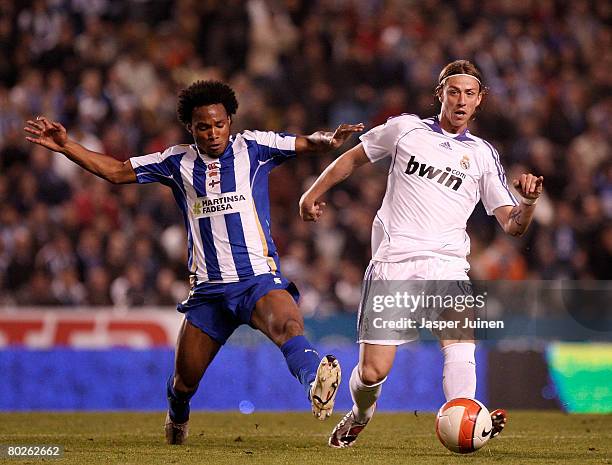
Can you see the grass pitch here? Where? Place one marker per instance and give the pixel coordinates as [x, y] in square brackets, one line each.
[297, 438]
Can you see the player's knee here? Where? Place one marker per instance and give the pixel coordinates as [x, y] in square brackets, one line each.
[372, 374]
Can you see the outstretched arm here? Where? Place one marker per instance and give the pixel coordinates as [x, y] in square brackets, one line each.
[322, 141]
[52, 135]
[310, 207]
[516, 220]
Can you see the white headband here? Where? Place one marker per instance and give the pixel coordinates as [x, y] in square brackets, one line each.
[461, 74]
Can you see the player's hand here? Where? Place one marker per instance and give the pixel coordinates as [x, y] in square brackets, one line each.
[343, 132]
[310, 210]
[529, 186]
[49, 134]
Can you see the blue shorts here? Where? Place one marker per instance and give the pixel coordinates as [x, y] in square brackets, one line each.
[218, 309]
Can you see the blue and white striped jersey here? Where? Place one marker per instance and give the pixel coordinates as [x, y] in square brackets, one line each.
[224, 201]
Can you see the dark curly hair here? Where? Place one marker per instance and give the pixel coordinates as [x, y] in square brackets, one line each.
[205, 93]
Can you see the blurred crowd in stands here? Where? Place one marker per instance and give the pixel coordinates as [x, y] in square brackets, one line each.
[110, 71]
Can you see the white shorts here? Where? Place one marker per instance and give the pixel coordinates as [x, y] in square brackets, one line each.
[427, 268]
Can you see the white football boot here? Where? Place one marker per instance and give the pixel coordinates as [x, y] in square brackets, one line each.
[325, 386]
[176, 433]
[499, 418]
[345, 433]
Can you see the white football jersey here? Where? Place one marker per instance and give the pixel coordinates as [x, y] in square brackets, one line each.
[435, 181]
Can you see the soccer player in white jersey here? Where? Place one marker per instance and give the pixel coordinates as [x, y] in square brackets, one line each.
[220, 183]
[438, 173]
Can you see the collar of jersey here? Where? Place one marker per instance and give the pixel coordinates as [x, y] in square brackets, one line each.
[211, 159]
[435, 126]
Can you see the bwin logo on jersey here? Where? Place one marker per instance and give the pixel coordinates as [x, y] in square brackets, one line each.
[450, 178]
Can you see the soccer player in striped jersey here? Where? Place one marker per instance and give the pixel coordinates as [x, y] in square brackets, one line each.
[438, 173]
[220, 183]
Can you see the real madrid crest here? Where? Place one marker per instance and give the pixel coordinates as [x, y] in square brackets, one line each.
[465, 162]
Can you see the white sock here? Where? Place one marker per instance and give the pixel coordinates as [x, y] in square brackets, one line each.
[459, 375]
[364, 396]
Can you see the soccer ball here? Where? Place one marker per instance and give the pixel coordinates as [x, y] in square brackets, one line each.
[463, 425]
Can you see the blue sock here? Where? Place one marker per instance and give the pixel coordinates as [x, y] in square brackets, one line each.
[302, 360]
[178, 402]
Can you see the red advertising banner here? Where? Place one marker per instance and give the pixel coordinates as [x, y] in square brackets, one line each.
[87, 329]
